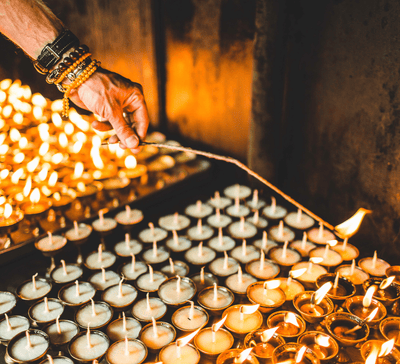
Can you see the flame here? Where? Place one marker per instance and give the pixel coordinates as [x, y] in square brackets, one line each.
[96, 141]
[77, 147]
[57, 158]
[322, 291]
[186, 339]
[120, 152]
[19, 158]
[37, 112]
[53, 179]
[43, 132]
[28, 186]
[322, 340]
[266, 335]
[351, 226]
[44, 148]
[3, 148]
[372, 314]
[81, 187]
[3, 137]
[332, 242]
[81, 137]
[57, 106]
[386, 348]
[43, 174]
[242, 356]
[38, 100]
[297, 273]
[7, 110]
[23, 142]
[78, 171]
[372, 356]
[5, 84]
[130, 162]
[272, 284]
[35, 195]
[4, 173]
[69, 128]
[56, 119]
[15, 135]
[7, 210]
[300, 354]
[78, 120]
[218, 324]
[57, 196]
[97, 161]
[316, 260]
[368, 296]
[17, 175]
[32, 165]
[18, 118]
[387, 282]
[248, 309]
[290, 318]
[63, 140]
[3, 96]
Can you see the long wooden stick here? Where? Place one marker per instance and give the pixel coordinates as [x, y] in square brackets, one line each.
[245, 168]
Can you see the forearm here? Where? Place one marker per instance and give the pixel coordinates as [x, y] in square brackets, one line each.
[29, 23]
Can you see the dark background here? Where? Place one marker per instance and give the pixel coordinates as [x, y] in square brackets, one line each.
[306, 91]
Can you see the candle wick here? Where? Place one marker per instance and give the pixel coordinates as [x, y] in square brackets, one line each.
[133, 263]
[9, 328]
[58, 325]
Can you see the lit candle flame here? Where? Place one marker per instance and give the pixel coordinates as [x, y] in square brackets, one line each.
[78, 171]
[81, 187]
[43, 174]
[386, 348]
[248, 309]
[130, 162]
[242, 356]
[63, 140]
[17, 175]
[322, 340]
[387, 282]
[218, 324]
[266, 335]
[316, 260]
[297, 273]
[272, 284]
[28, 186]
[7, 210]
[372, 356]
[372, 314]
[35, 196]
[368, 296]
[332, 242]
[186, 339]
[300, 354]
[290, 318]
[19, 157]
[348, 228]
[96, 158]
[321, 292]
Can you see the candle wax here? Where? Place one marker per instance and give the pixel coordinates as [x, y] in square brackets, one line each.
[55, 243]
[276, 213]
[83, 232]
[226, 243]
[259, 244]
[192, 255]
[116, 332]
[84, 315]
[268, 271]
[140, 268]
[218, 267]
[314, 236]
[68, 330]
[379, 270]
[237, 191]
[292, 256]
[237, 286]
[206, 233]
[150, 258]
[196, 213]
[73, 273]
[117, 353]
[237, 210]
[7, 301]
[124, 250]
[287, 329]
[287, 234]
[183, 244]
[107, 260]
[249, 323]
[349, 253]
[331, 259]
[164, 336]
[144, 283]
[79, 347]
[170, 222]
[107, 224]
[157, 309]
[42, 289]
[223, 299]
[264, 350]
[252, 253]
[358, 277]
[86, 292]
[298, 245]
[312, 310]
[221, 221]
[223, 341]
[180, 269]
[20, 351]
[219, 202]
[269, 297]
[149, 235]
[209, 280]
[293, 221]
[181, 319]
[169, 294]
[291, 290]
[308, 276]
[134, 217]
[188, 355]
[111, 295]
[38, 312]
[18, 324]
[97, 281]
[239, 230]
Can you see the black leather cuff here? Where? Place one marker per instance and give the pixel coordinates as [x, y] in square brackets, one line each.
[53, 52]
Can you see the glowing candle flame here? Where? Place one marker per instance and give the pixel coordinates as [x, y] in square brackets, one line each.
[17, 175]
[386, 348]
[242, 356]
[372, 356]
[368, 296]
[97, 161]
[57, 158]
[186, 339]
[130, 162]
[248, 309]
[322, 291]
[69, 128]
[53, 179]
[218, 324]
[44, 148]
[316, 260]
[35, 196]
[43, 132]
[43, 174]
[348, 228]
[15, 135]
[266, 335]
[3, 148]
[76, 148]
[38, 100]
[387, 282]
[300, 354]
[23, 142]
[7, 210]
[81, 187]
[372, 314]
[28, 186]
[56, 119]
[4, 173]
[297, 273]
[78, 170]
[19, 158]
[63, 140]
[290, 318]
[332, 242]
[272, 284]
[32, 165]
[322, 340]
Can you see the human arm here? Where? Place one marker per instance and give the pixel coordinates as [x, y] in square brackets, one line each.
[31, 25]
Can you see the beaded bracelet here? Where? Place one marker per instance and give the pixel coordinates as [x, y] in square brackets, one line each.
[71, 68]
[94, 65]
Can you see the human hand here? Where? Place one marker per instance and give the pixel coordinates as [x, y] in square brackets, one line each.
[109, 95]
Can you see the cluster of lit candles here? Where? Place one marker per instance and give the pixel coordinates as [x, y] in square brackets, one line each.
[234, 279]
[53, 172]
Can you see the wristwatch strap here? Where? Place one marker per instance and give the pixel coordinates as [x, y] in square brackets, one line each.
[53, 52]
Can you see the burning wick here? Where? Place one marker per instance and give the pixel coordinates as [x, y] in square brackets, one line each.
[247, 309]
[58, 324]
[34, 281]
[155, 252]
[184, 341]
[120, 294]
[103, 274]
[151, 226]
[101, 217]
[64, 267]
[175, 237]
[100, 253]
[128, 211]
[151, 274]
[155, 332]
[28, 340]
[367, 300]
[9, 328]
[318, 295]
[172, 266]
[300, 354]
[46, 305]
[295, 274]
[77, 288]
[89, 344]
[362, 323]
[216, 327]
[199, 227]
[202, 275]
[127, 240]
[225, 267]
[271, 285]
[93, 308]
[133, 263]
[242, 356]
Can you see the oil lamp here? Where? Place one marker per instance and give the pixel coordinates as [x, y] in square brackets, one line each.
[189, 318]
[380, 352]
[394, 270]
[298, 220]
[262, 269]
[8, 301]
[177, 290]
[288, 324]
[293, 353]
[119, 296]
[203, 279]
[237, 191]
[151, 281]
[245, 253]
[128, 218]
[96, 314]
[127, 351]
[274, 211]
[389, 327]
[237, 356]
[61, 332]
[11, 326]
[323, 345]
[215, 299]
[221, 243]
[314, 270]
[347, 251]
[156, 335]
[281, 233]
[148, 308]
[289, 285]
[285, 256]
[387, 292]
[88, 346]
[219, 202]
[320, 235]
[242, 229]
[173, 222]
[267, 294]
[354, 274]
[374, 266]
[239, 282]
[33, 210]
[219, 220]
[200, 232]
[265, 244]
[45, 311]
[242, 319]
[330, 258]
[78, 236]
[9, 221]
[224, 266]
[123, 327]
[175, 268]
[342, 288]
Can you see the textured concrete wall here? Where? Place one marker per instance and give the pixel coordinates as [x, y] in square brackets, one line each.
[340, 129]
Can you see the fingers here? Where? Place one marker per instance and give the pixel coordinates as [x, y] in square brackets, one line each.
[124, 131]
[102, 125]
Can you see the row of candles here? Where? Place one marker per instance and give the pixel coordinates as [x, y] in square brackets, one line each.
[261, 311]
[53, 171]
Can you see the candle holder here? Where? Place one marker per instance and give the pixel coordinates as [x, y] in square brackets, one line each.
[16, 349]
[263, 269]
[103, 279]
[223, 340]
[290, 288]
[228, 357]
[128, 218]
[323, 345]
[8, 301]
[224, 299]
[287, 352]
[26, 292]
[288, 330]
[309, 278]
[142, 313]
[111, 295]
[290, 258]
[130, 351]
[145, 284]
[33, 212]
[268, 299]
[9, 225]
[50, 246]
[74, 272]
[155, 343]
[394, 270]
[238, 326]
[354, 305]
[39, 316]
[68, 293]
[176, 291]
[123, 327]
[18, 324]
[312, 313]
[377, 270]
[389, 327]
[78, 236]
[263, 350]
[344, 290]
[182, 321]
[387, 296]
[85, 315]
[68, 330]
[354, 274]
[59, 359]
[178, 268]
[79, 351]
[187, 354]
[392, 357]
